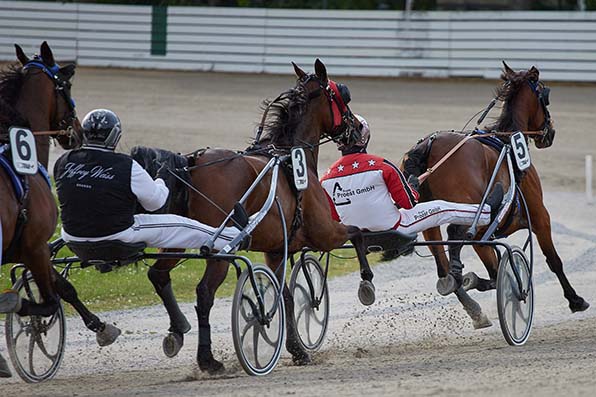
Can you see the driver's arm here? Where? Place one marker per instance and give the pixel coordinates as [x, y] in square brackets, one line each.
[401, 192]
[152, 194]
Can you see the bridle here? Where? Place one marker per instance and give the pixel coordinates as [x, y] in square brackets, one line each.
[61, 89]
[542, 92]
[343, 127]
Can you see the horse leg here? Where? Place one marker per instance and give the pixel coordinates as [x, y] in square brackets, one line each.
[438, 251]
[105, 333]
[453, 281]
[215, 274]
[542, 228]
[299, 355]
[366, 290]
[37, 260]
[489, 259]
[4, 369]
[159, 275]
[479, 319]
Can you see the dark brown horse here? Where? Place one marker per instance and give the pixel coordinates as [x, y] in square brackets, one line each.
[31, 98]
[301, 118]
[525, 101]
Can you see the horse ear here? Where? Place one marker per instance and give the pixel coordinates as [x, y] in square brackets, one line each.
[320, 70]
[507, 70]
[299, 72]
[534, 72]
[21, 55]
[46, 54]
[68, 71]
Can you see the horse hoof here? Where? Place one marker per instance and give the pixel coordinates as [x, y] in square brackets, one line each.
[172, 344]
[107, 335]
[579, 305]
[366, 293]
[447, 285]
[481, 322]
[4, 370]
[10, 301]
[301, 359]
[211, 366]
[470, 281]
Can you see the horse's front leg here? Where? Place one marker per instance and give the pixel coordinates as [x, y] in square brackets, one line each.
[105, 333]
[542, 228]
[299, 355]
[366, 290]
[215, 274]
[159, 275]
[4, 369]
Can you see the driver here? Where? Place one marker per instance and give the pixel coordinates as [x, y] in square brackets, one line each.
[98, 190]
[371, 193]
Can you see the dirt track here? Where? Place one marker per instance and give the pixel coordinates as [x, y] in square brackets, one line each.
[411, 341]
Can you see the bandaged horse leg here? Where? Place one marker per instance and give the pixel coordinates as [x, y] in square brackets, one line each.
[454, 278]
[105, 333]
[179, 325]
[4, 370]
[215, 274]
[479, 319]
[293, 346]
[366, 290]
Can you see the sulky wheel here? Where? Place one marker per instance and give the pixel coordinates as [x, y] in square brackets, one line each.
[308, 286]
[35, 343]
[258, 330]
[516, 311]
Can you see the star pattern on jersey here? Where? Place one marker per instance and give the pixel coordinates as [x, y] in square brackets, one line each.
[340, 168]
[355, 164]
[371, 162]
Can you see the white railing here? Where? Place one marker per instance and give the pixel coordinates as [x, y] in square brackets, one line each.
[367, 43]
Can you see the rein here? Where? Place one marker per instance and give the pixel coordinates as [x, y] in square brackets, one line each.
[469, 136]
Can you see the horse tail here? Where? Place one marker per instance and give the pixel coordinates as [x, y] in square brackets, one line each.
[415, 161]
[151, 160]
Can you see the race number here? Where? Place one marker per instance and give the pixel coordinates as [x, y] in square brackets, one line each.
[22, 146]
[520, 150]
[299, 168]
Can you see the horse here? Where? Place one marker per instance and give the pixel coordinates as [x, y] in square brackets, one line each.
[525, 100]
[35, 95]
[301, 116]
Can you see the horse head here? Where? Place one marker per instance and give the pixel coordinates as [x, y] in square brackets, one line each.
[526, 101]
[45, 100]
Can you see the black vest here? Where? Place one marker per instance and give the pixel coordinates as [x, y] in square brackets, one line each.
[94, 191]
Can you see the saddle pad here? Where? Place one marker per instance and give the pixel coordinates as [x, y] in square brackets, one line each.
[16, 179]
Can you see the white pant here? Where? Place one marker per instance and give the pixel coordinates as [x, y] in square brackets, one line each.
[438, 212]
[165, 231]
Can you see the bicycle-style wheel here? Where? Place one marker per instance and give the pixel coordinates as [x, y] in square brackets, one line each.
[35, 343]
[308, 286]
[516, 311]
[258, 330]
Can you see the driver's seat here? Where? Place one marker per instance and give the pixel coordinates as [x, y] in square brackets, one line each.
[106, 254]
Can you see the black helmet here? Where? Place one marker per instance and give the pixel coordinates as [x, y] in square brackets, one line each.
[101, 128]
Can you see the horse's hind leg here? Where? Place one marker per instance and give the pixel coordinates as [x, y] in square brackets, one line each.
[541, 226]
[489, 259]
[215, 274]
[454, 279]
[366, 290]
[438, 251]
[159, 275]
[299, 355]
[105, 333]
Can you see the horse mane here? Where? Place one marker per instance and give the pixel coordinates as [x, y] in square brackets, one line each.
[506, 92]
[11, 81]
[285, 115]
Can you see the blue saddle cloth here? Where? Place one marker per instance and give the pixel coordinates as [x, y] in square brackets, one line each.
[17, 180]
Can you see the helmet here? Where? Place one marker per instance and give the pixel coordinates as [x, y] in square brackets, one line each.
[362, 142]
[101, 128]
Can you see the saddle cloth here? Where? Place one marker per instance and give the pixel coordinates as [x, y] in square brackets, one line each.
[17, 180]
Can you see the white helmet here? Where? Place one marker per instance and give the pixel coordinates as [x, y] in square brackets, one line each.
[361, 143]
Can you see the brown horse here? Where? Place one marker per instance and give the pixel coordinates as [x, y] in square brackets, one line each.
[35, 95]
[525, 101]
[306, 113]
